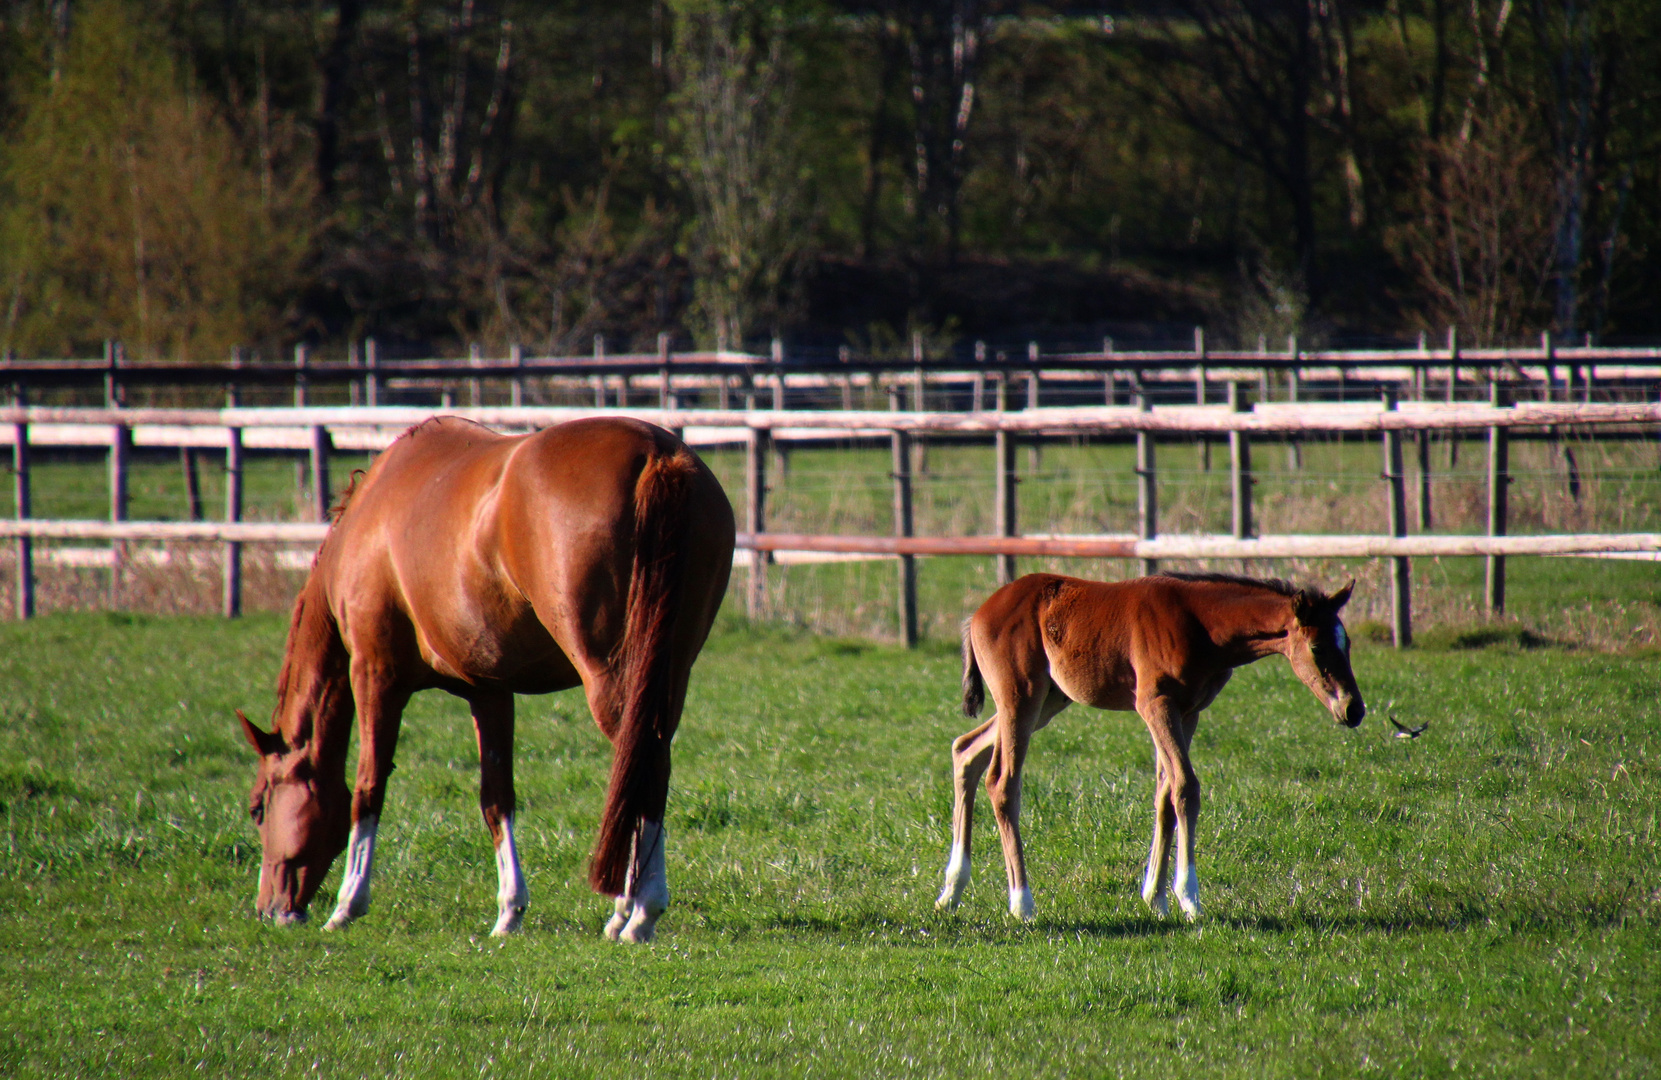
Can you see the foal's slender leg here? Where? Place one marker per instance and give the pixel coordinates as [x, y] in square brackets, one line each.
[493, 722]
[1176, 807]
[1164, 824]
[1185, 804]
[380, 705]
[971, 753]
[1003, 784]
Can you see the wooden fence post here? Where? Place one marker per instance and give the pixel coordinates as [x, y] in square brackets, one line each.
[22, 495]
[516, 357]
[232, 595]
[755, 516]
[193, 482]
[1401, 580]
[475, 358]
[1240, 466]
[320, 445]
[121, 446]
[372, 373]
[666, 391]
[1499, 480]
[977, 390]
[301, 380]
[1294, 445]
[1421, 443]
[1453, 390]
[901, 445]
[1003, 504]
[1147, 486]
[1035, 453]
[600, 380]
[1199, 395]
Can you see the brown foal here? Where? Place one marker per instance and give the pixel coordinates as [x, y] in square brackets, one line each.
[1162, 645]
[593, 553]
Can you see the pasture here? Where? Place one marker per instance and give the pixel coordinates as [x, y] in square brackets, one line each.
[1483, 900]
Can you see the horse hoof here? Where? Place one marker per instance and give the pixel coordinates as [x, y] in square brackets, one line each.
[1158, 905]
[289, 918]
[508, 923]
[637, 935]
[1020, 904]
[338, 921]
[947, 902]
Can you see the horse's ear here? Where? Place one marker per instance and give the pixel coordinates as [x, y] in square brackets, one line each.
[264, 743]
[1342, 596]
[1306, 607]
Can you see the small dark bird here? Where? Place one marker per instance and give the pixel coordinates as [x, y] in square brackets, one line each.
[1409, 732]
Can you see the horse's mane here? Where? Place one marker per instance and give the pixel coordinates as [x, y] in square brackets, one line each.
[1274, 585]
[312, 641]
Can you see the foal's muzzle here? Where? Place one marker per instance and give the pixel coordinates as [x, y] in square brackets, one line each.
[1354, 710]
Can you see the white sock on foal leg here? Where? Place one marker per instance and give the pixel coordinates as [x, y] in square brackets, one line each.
[1153, 890]
[1020, 904]
[651, 893]
[511, 894]
[1188, 889]
[354, 886]
[957, 878]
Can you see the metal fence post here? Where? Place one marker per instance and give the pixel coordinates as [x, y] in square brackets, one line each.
[901, 445]
[1401, 580]
[232, 597]
[21, 493]
[1240, 465]
[1499, 454]
[755, 516]
[1004, 510]
[320, 446]
[1147, 486]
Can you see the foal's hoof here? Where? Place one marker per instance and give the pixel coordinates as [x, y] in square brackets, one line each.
[1020, 904]
[508, 922]
[340, 920]
[637, 935]
[1158, 905]
[619, 918]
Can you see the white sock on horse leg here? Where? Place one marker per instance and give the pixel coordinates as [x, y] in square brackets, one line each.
[1020, 903]
[651, 893]
[511, 894]
[353, 901]
[957, 878]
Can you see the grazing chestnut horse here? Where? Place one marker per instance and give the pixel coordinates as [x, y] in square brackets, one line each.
[594, 552]
[1162, 645]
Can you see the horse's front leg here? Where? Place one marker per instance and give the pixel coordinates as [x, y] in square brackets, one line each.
[971, 753]
[493, 722]
[1176, 808]
[380, 707]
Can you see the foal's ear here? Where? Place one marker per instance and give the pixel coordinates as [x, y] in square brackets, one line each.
[264, 743]
[1341, 597]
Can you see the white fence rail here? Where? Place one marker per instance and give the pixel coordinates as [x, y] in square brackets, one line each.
[318, 430]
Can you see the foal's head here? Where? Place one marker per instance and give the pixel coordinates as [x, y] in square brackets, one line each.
[1319, 649]
[302, 820]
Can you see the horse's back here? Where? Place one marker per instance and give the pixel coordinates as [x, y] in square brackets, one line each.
[483, 547]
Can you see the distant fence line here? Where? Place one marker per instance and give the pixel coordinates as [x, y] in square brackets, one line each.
[318, 429]
[1558, 370]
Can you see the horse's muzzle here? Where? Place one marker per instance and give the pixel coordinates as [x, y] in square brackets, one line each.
[1355, 710]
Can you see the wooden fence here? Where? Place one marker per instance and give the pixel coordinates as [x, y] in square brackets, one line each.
[1239, 420]
[1553, 370]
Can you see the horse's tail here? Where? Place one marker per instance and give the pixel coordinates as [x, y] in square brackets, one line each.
[640, 764]
[974, 689]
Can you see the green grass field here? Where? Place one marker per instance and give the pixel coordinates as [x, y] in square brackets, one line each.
[1483, 901]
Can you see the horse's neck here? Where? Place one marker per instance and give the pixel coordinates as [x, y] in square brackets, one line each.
[314, 707]
[1250, 625]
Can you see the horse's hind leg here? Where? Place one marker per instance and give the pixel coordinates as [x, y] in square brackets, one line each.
[1164, 824]
[971, 753]
[1017, 720]
[380, 706]
[493, 722]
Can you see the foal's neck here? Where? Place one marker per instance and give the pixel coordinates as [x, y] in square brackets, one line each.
[1249, 624]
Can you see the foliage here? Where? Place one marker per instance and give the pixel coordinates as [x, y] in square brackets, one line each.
[131, 213]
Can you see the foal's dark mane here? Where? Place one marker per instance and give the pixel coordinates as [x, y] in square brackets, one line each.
[1274, 585]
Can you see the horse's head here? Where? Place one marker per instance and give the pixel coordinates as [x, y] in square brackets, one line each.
[1319, 648]
[302, 820]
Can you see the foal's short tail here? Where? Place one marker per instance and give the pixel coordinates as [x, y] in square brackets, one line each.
[974, 690]
[640, 765]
